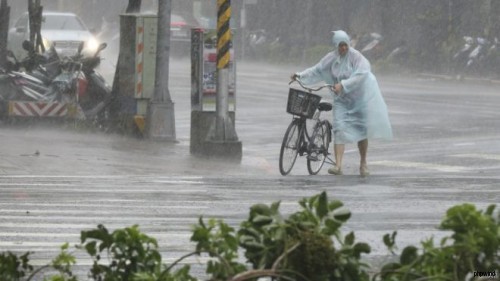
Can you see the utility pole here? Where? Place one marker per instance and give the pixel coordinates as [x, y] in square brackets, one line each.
[160, 122]
[222, 141]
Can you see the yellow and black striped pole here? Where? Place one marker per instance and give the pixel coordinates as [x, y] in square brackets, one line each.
[224, 129]
[223, 33]
[222, 140]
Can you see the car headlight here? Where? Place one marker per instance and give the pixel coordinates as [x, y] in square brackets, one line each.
[91, 45]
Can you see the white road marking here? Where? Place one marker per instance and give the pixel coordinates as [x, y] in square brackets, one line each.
[478, 155]
[88, 262]
[464, 144]
[83, 226]
[99, 177]
[98, 212]
[77, 189]
[156, 235]
[421, 165]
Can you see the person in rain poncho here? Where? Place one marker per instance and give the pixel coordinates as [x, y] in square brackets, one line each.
[359, 110]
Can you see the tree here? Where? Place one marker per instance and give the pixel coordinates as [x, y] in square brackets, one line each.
[35, 11]
[4, 27]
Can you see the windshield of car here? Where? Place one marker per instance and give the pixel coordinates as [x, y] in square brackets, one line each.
[61, 22]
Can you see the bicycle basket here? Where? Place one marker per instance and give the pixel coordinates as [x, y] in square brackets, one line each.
[302, 103]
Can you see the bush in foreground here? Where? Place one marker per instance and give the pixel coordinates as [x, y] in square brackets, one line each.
[304, 246]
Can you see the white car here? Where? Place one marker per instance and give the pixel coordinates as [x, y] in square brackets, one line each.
[63, 30]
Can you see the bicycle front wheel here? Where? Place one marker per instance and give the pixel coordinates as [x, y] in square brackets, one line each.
[318, 149]
[289, 148]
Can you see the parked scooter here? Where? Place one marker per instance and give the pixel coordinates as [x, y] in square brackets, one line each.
[17, 85]
[42, 66]
[370, 45]
[97, 96]
[461, 57]
[478, 56]
[76, 81]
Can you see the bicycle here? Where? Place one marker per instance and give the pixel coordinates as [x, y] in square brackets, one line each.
[297, 140]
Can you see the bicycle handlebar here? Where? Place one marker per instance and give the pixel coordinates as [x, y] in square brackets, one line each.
[311, 89]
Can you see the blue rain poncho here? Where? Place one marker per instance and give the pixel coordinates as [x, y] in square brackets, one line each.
[359, 112]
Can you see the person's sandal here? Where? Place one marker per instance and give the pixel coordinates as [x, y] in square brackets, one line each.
[335, 170]
[363, 171]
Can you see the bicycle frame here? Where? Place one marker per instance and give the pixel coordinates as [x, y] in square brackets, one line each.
[305, 142]
[299, 141]
[304, 136]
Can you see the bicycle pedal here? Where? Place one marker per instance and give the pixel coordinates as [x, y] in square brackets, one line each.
[302, 150]
[312, 157]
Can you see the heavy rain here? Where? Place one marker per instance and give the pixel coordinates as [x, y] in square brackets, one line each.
[94, 136]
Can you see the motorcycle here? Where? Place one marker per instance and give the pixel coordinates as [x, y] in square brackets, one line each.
[478, 56]
[50, 79]
[97, 94]
[370, 45]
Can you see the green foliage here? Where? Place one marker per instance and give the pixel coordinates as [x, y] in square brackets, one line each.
[218, 240]
[475, 246]
[306, 245]
[13, 268]
[129, 251]
[63, 263]
[132, 255]
[303, 241]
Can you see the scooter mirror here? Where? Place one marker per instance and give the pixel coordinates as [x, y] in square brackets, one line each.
[101, 47]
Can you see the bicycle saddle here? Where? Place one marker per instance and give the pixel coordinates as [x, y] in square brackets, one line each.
[324, 106]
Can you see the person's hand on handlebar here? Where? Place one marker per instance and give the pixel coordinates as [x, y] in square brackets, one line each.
[294, 77]
[337, 88]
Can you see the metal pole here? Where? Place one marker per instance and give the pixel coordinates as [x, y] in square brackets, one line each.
[223, 58]
[160, 122]
[161, 92]
[221, 140]
[243, 26]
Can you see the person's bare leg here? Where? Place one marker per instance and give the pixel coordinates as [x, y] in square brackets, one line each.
[339, 154]
[363, 149]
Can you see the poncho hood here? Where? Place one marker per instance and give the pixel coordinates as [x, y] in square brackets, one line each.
[340, 36]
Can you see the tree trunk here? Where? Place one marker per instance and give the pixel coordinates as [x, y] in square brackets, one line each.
[4, 29]
[308, 28]
[494, 19]
[35, 11]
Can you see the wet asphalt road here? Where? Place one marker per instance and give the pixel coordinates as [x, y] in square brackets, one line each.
[58, 180]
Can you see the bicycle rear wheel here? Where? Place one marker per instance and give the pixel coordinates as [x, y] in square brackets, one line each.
[318, 149]
[289, 148]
